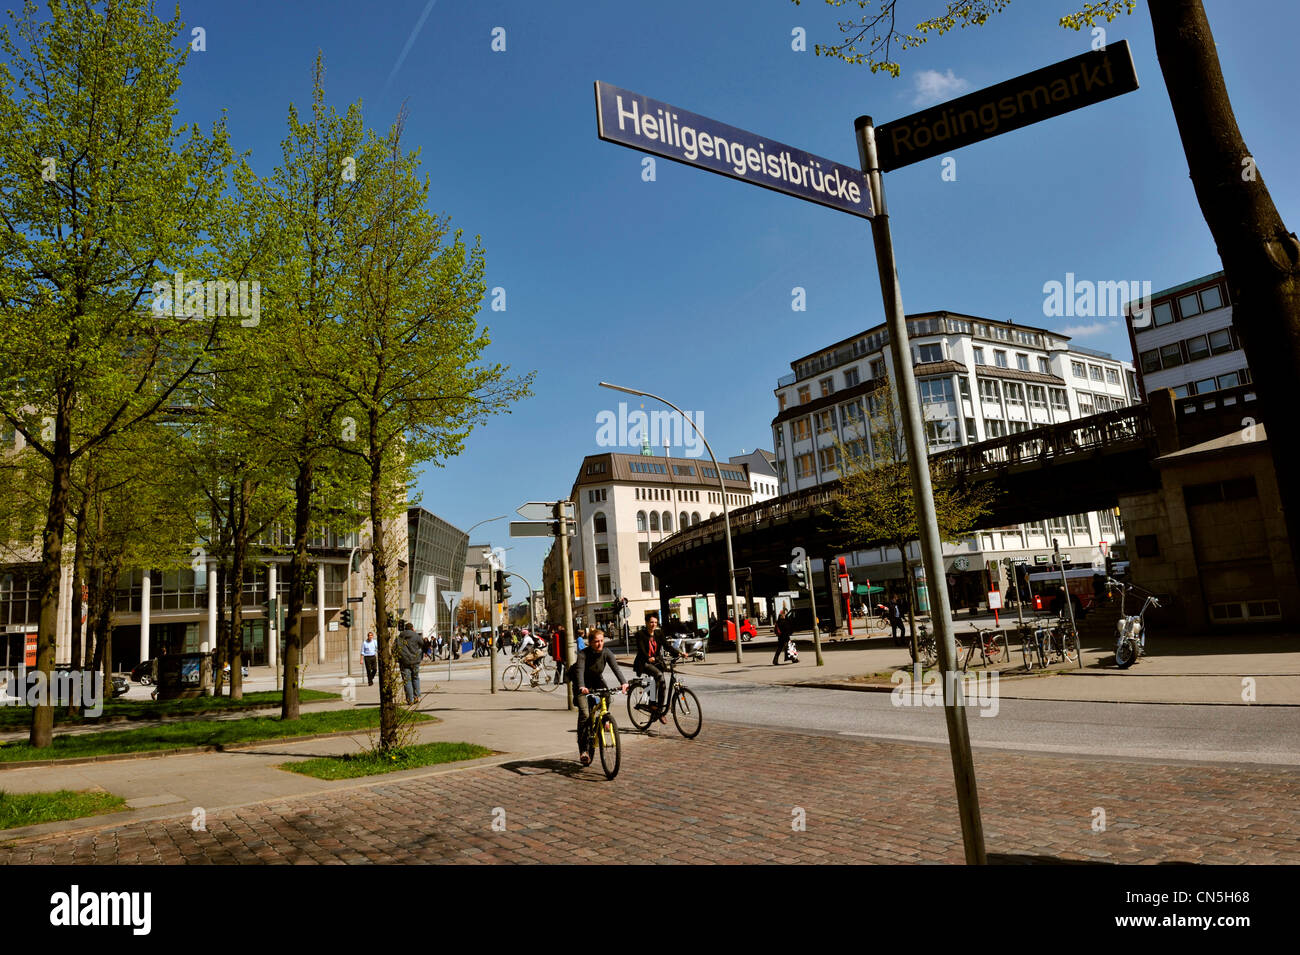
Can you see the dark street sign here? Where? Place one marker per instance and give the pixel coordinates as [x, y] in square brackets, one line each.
[652, 126]
[1079, 81]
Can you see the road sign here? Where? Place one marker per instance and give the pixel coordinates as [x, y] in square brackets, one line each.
[542, 510]
[452, 597]
[1068, 85]
[540, 528]
[579, 585]
[1105, 548]
[652, 126]
[356, 600]
[995, 600]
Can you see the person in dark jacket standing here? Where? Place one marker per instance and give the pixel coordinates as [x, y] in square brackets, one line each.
[587, 674]
[410, 648]
[784, 628]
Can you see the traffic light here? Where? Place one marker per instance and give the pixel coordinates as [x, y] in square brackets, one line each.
[478, 578]
[347, 619]
[501, 586]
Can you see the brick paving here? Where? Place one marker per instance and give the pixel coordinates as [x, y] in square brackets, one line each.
[733, 795]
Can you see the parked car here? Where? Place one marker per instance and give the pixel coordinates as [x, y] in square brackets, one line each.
[120, 685]
[717, 637]
[142, 673]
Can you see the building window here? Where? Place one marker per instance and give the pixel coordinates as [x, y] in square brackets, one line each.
[1022, 362]
[829, 459]
[1015, 393]
[850, 378]
[1078, 370]
[930, 352]
[878, 368]
[828, 386]
[999, 358]
[935, 390]
[683, 521]
[643, 551]
[1060, 400]
[1085, 403]
[1211, 298]
[1230, 380]
[1057, 527]
[1150, 361]
[1044, 366]
[1189, 305]
[646, 585]
[1171, 356]
[1205, 386]
[1112, 376]
[971, 436]
[667, 522]
[695, 518]
[1163, 314]
[602, 555]
[654, 520]
[801, 430]
[683, 470]
[604, 587]
[598, 522]
[1220, 341]
[979, 355]
[1197, 348]
[851, 413]
[805, 394]
[780, 401]
[995, 428]
[825, 422]
[804, 466]
[941, 433]
[1079, 523]
[989, 390]
[1038, 397]
[963, 386]
[1106, 521]
[1095, 372]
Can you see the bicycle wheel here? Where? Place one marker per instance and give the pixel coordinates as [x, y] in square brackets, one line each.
[546, 676]
[639, 706]
[610, 750]
[687, 713]
[929, 652]
[960, 649]
[1070, 646]
[994, 648]
[512, 677]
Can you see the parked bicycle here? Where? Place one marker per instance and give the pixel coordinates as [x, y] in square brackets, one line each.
[927, 644]
[682, 703]
[604, 732]
[987, 641]
[1131, 629]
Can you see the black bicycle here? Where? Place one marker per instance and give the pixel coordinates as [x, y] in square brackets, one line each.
[682, 702]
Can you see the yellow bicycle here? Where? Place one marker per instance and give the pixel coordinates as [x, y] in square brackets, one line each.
[604, 731]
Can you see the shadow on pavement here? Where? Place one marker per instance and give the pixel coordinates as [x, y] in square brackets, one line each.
[565, 767]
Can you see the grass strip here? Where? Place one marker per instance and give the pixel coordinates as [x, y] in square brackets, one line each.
[373, 763]
[20, 717]
[30, 809]
[194, 733]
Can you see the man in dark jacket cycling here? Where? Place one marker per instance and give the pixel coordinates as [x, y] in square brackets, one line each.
[650, 647]
[588, 675]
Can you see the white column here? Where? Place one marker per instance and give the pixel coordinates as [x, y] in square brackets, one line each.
[272, 637]
[211, 642]
[320, 613]
[145, 587]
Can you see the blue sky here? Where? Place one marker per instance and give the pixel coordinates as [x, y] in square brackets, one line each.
[683, 285]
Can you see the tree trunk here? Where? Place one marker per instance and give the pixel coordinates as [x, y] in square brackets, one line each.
[223, 636]
[302, 486]
[104, 626]
[51, 571]
[1260, 256]
[388, 676]
[909, 580]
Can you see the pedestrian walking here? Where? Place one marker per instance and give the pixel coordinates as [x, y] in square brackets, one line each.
[897, 630]
[370, 656]
[409, 652]
[784, 628]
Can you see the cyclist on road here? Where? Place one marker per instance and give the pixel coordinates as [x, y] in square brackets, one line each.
[530, 650]
[587, 675]
[650, 647]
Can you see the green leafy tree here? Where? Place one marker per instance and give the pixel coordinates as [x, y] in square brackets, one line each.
[102, 196]
[1261, 256]
[876, 503]
[412, 371]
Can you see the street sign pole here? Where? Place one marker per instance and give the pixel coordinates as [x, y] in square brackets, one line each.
[570, 646]
[922, 494]
[1069, 604]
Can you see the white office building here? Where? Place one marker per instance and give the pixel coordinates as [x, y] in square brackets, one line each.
[978, 379]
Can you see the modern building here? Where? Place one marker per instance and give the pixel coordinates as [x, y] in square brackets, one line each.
[978, 379]
[437, 552]
[1183, 339]
[625, 504]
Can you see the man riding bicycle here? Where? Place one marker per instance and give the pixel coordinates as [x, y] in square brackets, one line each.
[587, 676]
[650, 647]
[530, 651]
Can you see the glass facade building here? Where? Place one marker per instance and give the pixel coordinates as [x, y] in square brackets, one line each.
[437, 564]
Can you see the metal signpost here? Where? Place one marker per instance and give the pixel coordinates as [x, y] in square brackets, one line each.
[556, 519]
[630, 119]
[802, 566]
[1065, 586]
[453, 599]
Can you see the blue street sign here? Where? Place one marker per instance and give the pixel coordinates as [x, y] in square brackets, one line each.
[651, 126]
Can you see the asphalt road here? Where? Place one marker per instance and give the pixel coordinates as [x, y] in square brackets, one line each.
[1218, 734]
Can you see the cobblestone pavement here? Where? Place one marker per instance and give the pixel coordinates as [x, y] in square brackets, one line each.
[739, 794]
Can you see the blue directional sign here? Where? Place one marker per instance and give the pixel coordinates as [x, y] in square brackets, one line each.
[651, 126]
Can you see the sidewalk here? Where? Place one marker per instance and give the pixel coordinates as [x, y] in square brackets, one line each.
[521, 723]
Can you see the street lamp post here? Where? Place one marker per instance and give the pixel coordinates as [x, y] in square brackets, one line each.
[726, 514]
[348, 602]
